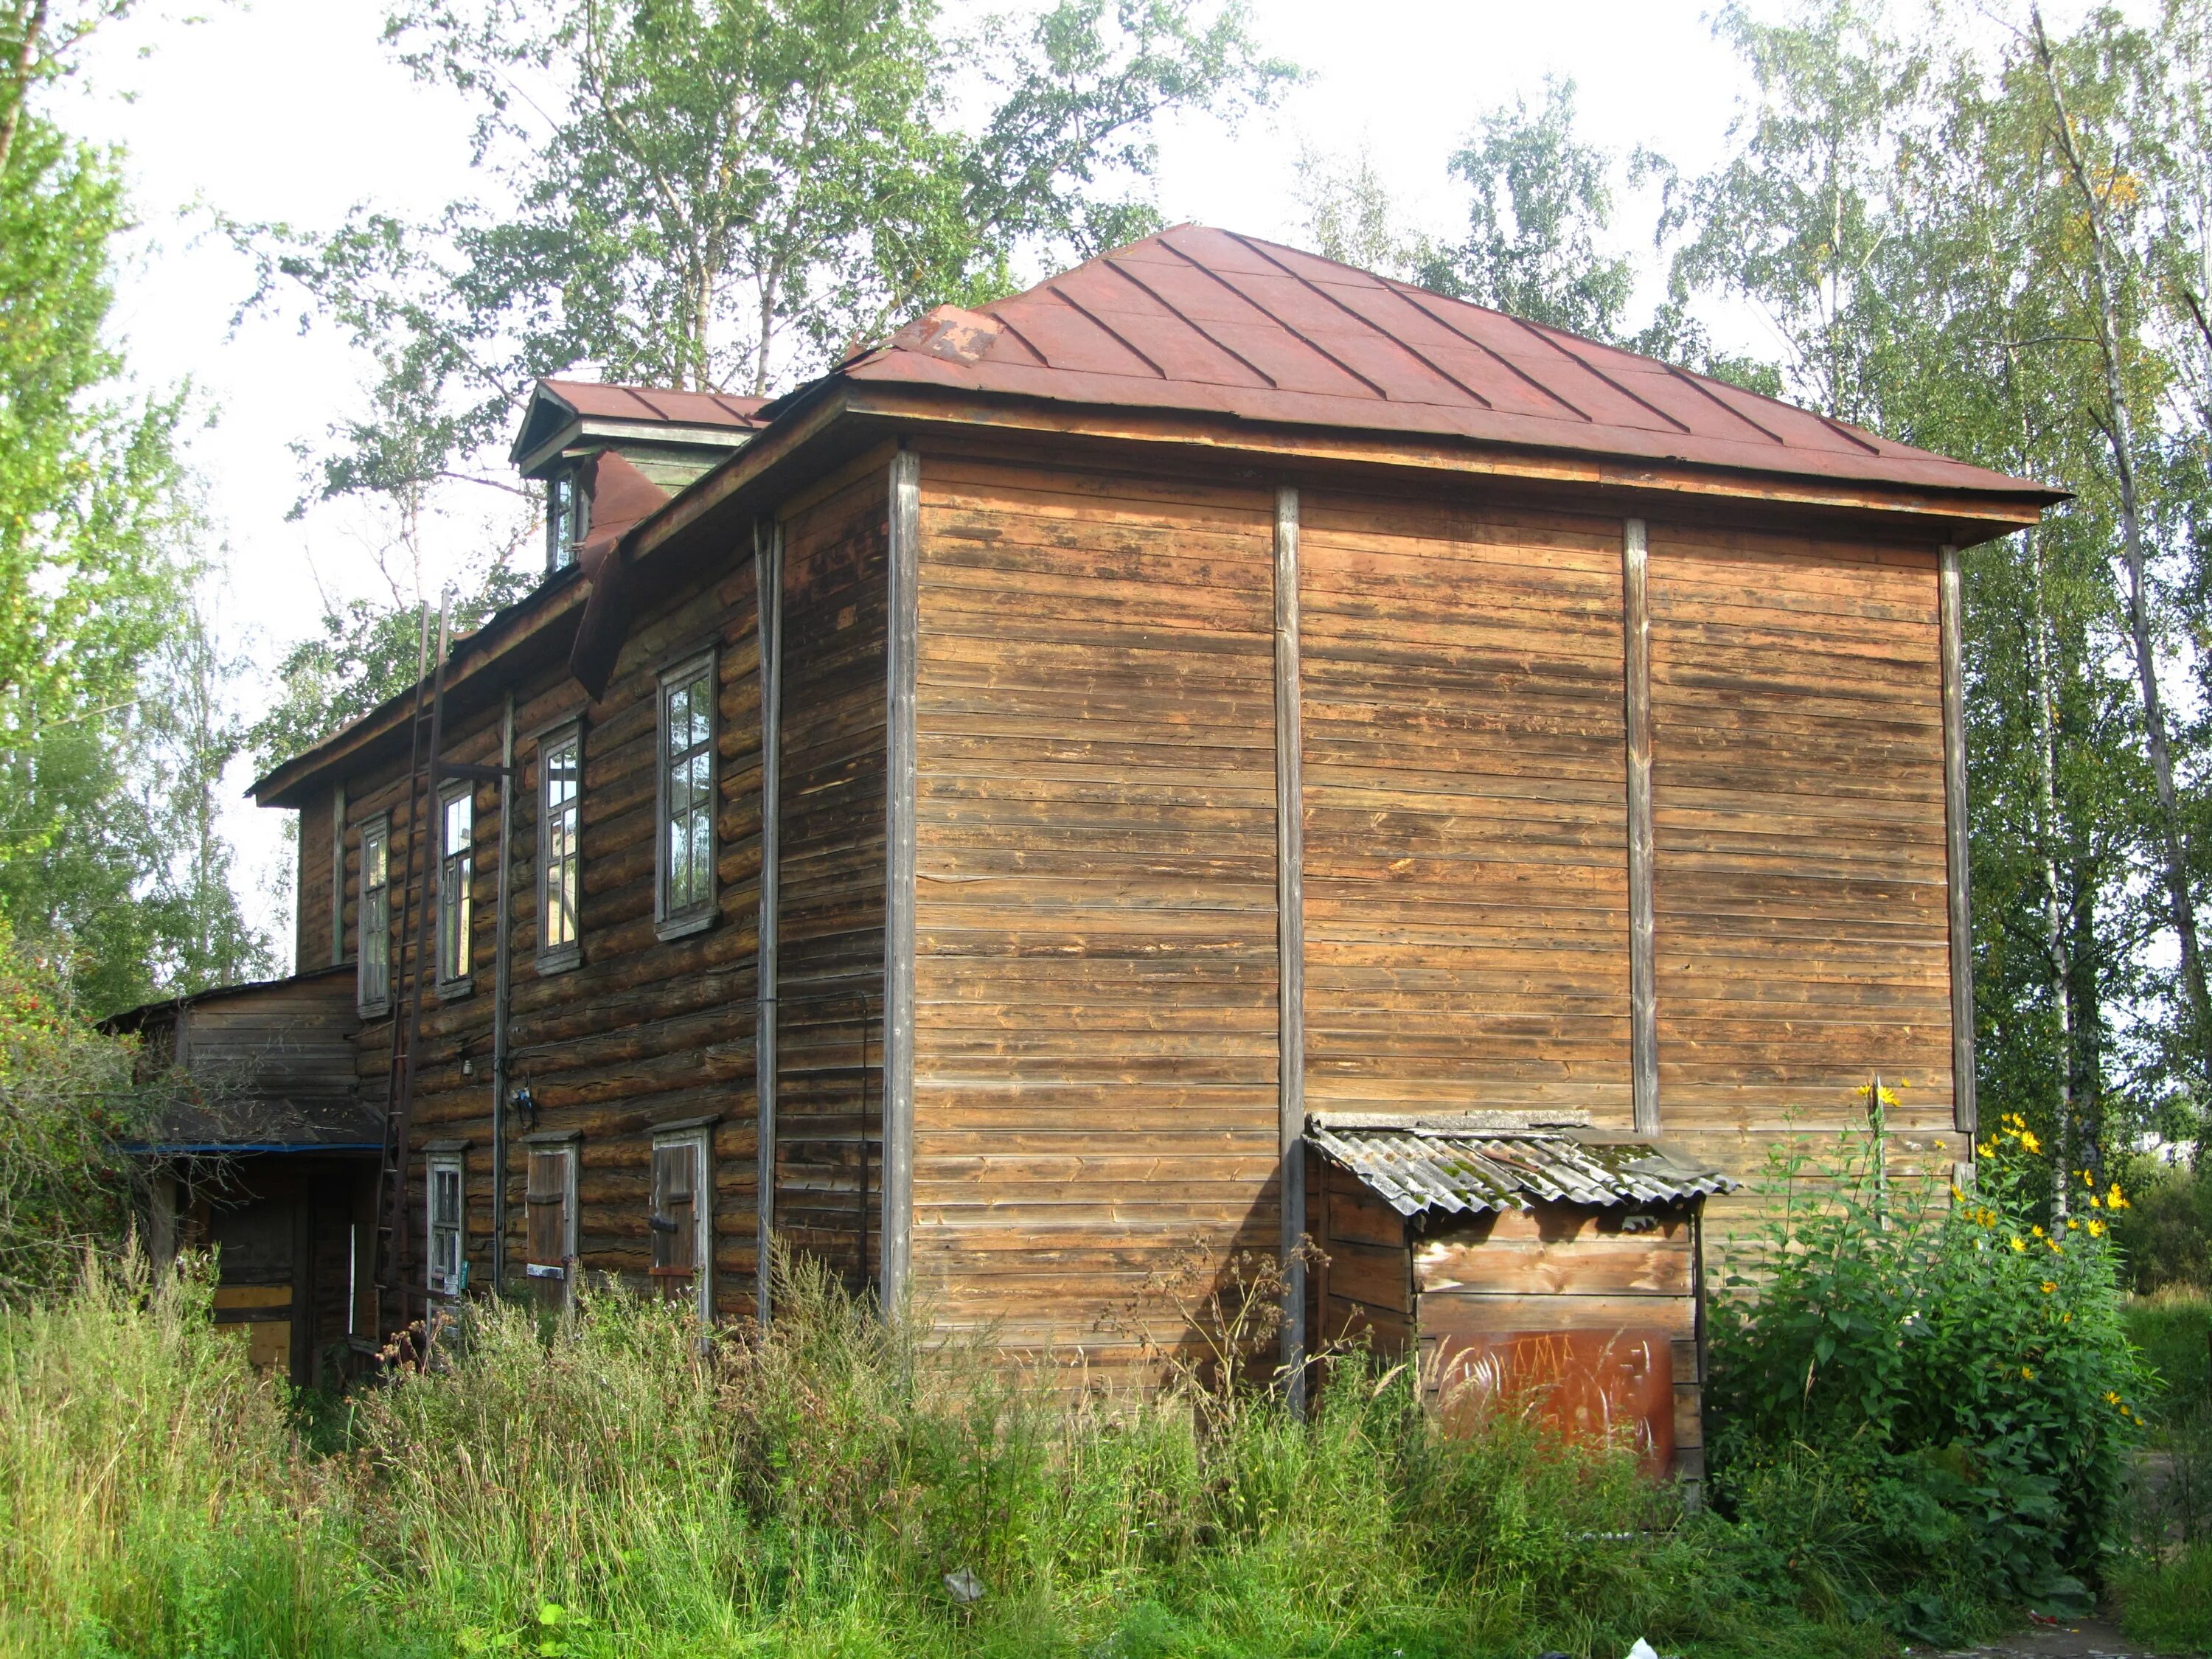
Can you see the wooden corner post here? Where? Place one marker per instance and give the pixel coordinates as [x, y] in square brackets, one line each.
[1643, 966]
[1964, 1113]
[1290, 940]
[904, 632]
[768, 604]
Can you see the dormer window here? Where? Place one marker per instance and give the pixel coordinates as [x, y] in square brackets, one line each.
[567, 519]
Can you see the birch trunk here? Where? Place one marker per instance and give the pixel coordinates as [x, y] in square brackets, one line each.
[2119, 430]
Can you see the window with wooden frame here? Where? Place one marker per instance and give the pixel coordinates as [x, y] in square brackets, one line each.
[373, 977]
[457, 814]
[683, 867]
[683, 1217]
[560, 869]
[549, 1219]
[567, 519]
[444, 1205]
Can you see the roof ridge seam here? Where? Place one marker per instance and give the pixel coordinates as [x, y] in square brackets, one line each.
[1191, 323]
[1697, 382]
[1281, 322]
[1548, 337]
[1405, 346]
[1023, 340]
[1098, 322]
[1419, 298]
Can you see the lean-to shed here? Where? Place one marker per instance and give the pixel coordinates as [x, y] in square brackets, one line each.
[969, 831]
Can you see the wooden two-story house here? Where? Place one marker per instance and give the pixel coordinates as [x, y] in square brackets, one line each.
[1145, 765]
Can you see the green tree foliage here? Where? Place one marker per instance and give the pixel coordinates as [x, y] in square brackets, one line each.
[713, 194]
[1538, 241]
[112, 730]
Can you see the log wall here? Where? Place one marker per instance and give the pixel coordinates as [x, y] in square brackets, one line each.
[1096, 1063]
[642, 1031]
[828, 1150]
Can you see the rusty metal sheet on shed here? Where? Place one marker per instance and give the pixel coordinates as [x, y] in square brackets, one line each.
[1417, 1170]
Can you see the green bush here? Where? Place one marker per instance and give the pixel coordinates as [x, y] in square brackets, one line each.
[2166, 1234]
[1932, 1404]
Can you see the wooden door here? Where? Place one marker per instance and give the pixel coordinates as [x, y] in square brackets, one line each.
[549, 1260]
[675, 1220]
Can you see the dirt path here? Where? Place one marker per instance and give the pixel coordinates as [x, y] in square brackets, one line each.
[2080, 1638]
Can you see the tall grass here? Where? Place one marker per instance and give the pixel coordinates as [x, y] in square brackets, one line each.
[153, 1498]
[617, 1484]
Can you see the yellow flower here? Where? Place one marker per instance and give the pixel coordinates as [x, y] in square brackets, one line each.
[1957, 1196]
[2037, 1231]
[2018, 1244]
[2114, 1200]
[2072, 1225]
[2110, 1398]
[2096, 1227]
[2055, 1248]
[2088, 1180]
[2049, 1285]
[2027, 1374]
[2027, 1140]
[1985, 1149]
[2096, 1203]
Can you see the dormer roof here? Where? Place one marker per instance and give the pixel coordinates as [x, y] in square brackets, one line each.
[562, 414]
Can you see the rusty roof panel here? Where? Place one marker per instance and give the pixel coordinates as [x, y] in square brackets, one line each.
[610, 402]
[1419, 1170]
[1209, 322]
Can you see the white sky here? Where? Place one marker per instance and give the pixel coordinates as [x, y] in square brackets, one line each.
[290, 110]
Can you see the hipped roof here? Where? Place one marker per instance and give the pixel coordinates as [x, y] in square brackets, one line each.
[1260, 345]
[1214, 322]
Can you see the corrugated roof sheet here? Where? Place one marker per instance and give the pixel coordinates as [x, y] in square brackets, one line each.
[1468, 1171]
[1214, 322]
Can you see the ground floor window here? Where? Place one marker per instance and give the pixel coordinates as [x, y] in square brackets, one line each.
[448, 1255]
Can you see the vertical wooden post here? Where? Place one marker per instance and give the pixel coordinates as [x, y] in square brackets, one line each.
[501, 986]
[768, 579]
[338, 875]
[904, 632]
[1965, 1114]
[1643, 967]
[1290, 940]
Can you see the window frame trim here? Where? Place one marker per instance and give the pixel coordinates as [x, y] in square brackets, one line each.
[463, 982]
[669, 924]
[561, 958]
[701, 1137]
[434, 1162]
[378, 825]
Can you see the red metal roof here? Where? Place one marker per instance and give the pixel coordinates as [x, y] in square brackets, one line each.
[601, 401]
[1212, 322]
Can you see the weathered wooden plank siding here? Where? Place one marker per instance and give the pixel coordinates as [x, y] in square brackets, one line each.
[1801, 926]
[310, 934]
[1096, 1064]
[1465, 832]
[829, 1153]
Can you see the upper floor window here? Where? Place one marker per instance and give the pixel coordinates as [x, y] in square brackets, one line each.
[560, 870]
[374, 979]
[684, 869]
[456, 866]
[567, 519]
